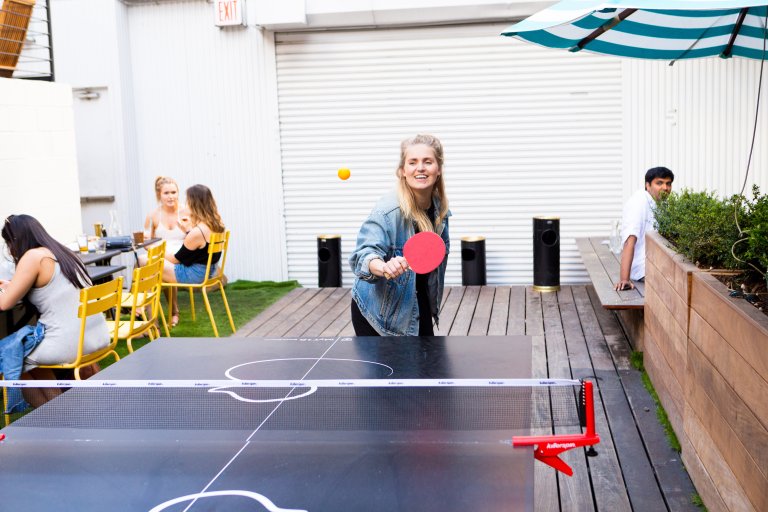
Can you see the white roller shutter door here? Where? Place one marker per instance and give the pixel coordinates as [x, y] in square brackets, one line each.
[527, 131]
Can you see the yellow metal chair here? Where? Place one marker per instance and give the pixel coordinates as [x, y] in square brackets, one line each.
[6, 417]
[218, 243]
[145, 296]
[154, 254]
[94, 300]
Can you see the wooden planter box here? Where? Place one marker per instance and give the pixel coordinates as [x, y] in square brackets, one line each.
[726, 416]
[707, 355]
[667, 303]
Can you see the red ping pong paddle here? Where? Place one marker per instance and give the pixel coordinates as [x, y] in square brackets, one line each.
[424, 252]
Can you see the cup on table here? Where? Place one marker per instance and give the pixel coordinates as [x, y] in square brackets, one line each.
[138, 237]
[101, 246]
[82, 243]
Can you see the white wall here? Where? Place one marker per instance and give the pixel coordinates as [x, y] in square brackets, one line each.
[206, 112]
[98, 59]
[695, 117]
[38, 164]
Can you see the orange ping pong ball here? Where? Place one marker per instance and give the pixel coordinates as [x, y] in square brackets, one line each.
[344, 173]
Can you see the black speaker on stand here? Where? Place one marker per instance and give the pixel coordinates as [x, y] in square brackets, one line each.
[546, 254]
[328, 261]
[473, 261]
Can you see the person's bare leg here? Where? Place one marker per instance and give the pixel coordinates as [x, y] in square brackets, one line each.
[175, 312]
[38, 396]
[169, 276]
[89, 371]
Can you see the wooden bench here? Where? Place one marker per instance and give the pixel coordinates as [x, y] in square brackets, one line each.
[603, 267]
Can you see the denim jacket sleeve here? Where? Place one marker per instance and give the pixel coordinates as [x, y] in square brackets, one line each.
[373, 241]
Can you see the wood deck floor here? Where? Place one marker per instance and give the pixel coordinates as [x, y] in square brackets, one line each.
[573, 337]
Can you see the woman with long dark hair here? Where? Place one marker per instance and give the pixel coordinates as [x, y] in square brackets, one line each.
[190, 261]
[49, 276]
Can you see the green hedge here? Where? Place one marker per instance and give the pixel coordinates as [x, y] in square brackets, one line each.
[709, 230]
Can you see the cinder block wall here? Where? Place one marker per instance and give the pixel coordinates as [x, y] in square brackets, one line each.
[38, 162]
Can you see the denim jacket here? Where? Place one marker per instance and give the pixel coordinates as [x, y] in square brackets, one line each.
[390, 306]
[13, 349]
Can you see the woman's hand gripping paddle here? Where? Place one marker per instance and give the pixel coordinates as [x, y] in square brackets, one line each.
[424, 252]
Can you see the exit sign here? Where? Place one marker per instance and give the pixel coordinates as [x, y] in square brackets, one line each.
[229, 12]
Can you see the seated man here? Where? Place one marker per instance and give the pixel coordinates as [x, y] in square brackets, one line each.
[636, 220]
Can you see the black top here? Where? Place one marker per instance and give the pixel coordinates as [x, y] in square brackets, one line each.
[189, 257]
[422, 292]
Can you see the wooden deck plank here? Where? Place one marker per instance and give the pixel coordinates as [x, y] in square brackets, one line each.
[337, 304]
[449, 310]
[482, 317]
[572, 489]
[288, 316]
[546, 497]
[270, 312]
[500, 311]
[608, 484]
[315, 310]
[517, 305]
[299, 299]
[639, 476]
[466, 311]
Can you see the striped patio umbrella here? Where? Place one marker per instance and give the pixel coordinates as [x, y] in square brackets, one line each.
[651, 29]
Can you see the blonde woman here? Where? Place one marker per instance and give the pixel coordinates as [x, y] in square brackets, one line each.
[406, 303]
[164, 223]
[190, 260]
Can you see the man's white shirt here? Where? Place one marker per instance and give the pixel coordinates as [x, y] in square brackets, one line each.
[638, 219]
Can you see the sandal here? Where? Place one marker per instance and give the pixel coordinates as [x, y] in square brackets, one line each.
[174, 320]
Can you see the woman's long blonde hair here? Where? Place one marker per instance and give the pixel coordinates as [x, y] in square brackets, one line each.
[202, 208]
[407, 199]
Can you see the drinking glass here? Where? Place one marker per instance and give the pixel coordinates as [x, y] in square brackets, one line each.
[82, 242]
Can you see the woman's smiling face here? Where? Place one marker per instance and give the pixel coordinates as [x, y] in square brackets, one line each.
[421, 168]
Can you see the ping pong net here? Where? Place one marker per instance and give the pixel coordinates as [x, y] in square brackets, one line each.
[559, 412]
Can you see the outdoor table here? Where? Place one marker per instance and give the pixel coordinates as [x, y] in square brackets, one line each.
[135, 247]
[99, 258]
[103, 273]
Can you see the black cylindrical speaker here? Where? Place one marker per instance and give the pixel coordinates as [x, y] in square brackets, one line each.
[328, 261]
[473, 261]
[546, 254]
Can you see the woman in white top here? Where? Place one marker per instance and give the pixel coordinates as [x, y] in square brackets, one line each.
[163, 222]
[49, 276]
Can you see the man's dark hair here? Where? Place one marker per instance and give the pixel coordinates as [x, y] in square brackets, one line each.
[658, 172]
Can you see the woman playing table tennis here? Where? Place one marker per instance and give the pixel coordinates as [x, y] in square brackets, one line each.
[50, 277]
[388, 299]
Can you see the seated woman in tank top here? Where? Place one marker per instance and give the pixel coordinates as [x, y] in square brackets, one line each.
[50, 277]
[164, 222]
[190, 260]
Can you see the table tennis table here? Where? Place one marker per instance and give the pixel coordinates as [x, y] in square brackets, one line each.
[285, 455]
